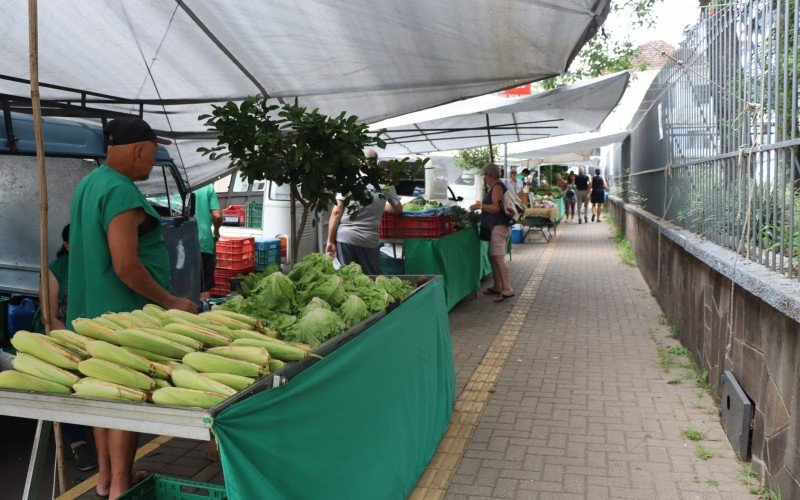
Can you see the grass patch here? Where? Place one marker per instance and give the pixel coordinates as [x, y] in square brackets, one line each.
[746, 474]
[693, 434]
[712, 482]
[674, 381]
[662, 319]
[623, 245]
[768, 494]
[704, 453]
[674, 333]
[678, 350]
[665, 359]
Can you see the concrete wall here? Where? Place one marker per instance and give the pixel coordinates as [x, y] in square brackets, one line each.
[692, 281]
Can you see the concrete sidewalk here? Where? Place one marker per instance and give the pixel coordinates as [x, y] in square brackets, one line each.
[567, 394]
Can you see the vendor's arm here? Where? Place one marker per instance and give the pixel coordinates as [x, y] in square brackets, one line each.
[216, 221]
[55, 323]
[393, 204]
[123, 241]
[333, 227]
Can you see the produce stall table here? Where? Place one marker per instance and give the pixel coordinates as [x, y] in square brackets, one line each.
[459, 258]
[366, 417]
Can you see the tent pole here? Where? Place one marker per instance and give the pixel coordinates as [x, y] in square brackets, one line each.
[505, 157]
[44, 281]
[489, 134]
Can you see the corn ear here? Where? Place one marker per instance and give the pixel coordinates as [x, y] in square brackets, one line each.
[78, 351]
[153, 343]
[276, 348]
[173, 314]
[143, 320]
[95, 330]
[177, 365]
[189, 380]
[175, 337]
[161, 383]
[119, 319]
[234, 381]
[204, 335]
[247, 334]
[155, 312]
[150, 356]
[94, 388]
[237, 316]
[18, 381]
[275, 365]
[116, 354]
[160, 371]
[31, 365]
[107, 323]
[253, 354]
[205, 362]
[70, 337]
[118, 374]
[224, 320]
[186, 398]
[218, 329]
[44, 348]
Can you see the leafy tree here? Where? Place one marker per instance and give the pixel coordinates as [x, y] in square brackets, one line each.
[474, 159]
[316, 155]
[608, 52]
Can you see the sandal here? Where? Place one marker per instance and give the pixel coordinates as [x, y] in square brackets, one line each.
[503, 297]
[491, 291]
[96, 494]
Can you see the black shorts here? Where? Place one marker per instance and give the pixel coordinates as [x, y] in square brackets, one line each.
[598, 197]
[207, 275]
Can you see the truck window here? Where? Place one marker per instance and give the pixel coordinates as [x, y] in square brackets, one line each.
[279, 193]
[240, 185]
[162, 192]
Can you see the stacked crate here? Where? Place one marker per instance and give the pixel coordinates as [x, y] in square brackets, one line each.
[403, 227]
[268, 252]
[235, 257]
[233, 215]
[253, 211]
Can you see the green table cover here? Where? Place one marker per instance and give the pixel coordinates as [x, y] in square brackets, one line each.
[361, 423]
[457, 258]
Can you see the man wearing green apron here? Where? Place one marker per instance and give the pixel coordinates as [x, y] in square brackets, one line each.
[118, 262]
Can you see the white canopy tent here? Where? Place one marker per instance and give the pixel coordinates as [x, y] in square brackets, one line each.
[170, 60]
[567, 148]
[570, 109]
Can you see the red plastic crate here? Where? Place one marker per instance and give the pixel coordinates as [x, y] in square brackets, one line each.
[236, 246]
[222, 285]
[399, 227]
[234, 215]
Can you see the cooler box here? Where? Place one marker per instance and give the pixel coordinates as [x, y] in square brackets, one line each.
[516, 234]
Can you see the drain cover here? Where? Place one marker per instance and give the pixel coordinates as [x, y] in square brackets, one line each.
[736, 414]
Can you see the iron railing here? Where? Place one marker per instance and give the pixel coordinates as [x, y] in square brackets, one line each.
[726, 105]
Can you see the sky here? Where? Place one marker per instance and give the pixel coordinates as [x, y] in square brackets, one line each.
[672, 16]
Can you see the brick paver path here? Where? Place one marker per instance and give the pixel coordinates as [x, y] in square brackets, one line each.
[582, 408]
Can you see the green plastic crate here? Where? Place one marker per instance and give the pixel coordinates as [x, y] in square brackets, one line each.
[252, 218]
[158, 487]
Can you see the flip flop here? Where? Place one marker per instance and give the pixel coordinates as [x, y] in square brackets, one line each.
[97, 494]
[491, 291]
[137, 477]
[503, 297]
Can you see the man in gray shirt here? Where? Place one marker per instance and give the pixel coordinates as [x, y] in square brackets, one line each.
[353, 237]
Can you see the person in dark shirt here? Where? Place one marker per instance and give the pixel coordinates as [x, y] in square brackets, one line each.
[582, 182]
[599, 186]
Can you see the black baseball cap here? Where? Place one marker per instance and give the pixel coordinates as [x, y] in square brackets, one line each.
[130, 130]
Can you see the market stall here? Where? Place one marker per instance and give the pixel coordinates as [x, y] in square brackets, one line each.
[460, 258]
[300, 418]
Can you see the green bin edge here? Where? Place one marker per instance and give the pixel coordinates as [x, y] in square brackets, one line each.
[158, 487]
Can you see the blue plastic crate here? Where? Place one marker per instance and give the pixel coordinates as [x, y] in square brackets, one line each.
[268, 252]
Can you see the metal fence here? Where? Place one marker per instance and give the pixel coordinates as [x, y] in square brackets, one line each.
[725, 113]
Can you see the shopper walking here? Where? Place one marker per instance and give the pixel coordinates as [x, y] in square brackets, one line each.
[496, 229]
[571, 196]
[599, 186]
[582, 183]
[118, 262]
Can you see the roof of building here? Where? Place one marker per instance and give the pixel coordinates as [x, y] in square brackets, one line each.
[651, 54]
